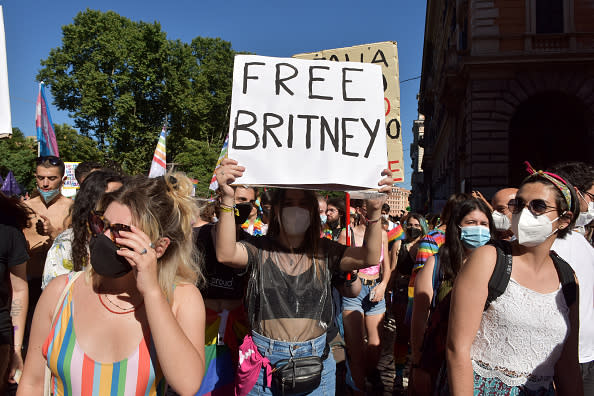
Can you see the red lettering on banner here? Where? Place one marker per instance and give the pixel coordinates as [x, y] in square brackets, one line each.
[388, 103]
[398, 179]
[391, 163]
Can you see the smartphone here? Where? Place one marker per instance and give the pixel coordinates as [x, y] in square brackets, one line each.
[372, 294]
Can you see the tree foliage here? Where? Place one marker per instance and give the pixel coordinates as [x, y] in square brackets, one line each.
[198, 160]
[18, 156]
[75, 147]
[121, 80]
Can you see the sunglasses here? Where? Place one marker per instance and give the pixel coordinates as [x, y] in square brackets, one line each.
[53, 160]
[536, 206]
[98, 224]
[589, 194]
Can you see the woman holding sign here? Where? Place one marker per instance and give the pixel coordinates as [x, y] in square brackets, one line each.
[289, 298]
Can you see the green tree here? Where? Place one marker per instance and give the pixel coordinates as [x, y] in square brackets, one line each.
[121, 79]
[18, 156]
[75, 147]
[198, 161]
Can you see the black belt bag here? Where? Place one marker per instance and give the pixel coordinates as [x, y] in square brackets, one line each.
[298, 375]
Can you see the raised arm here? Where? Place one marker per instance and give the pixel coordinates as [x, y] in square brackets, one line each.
[468, 301]
[369, 253]
[228, 250]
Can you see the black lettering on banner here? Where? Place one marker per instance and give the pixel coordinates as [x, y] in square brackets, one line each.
[278, 82]
[385, 82]
[244, 127]
[308, 128]
[312, 79]
[245, 74]
[290, 133]
[267, 129]
[372, 135]
[334, 57]
[382, 58]
[325, 127]
[389, 128]
[344, 83]
[346, 136]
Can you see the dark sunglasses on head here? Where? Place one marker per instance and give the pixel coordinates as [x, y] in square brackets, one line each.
[98, 224]
[52, 159]
[536, 206]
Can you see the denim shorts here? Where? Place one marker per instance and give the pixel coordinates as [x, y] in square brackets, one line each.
[362, 303]
[276, 350]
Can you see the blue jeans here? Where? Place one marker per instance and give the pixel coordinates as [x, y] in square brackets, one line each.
[278, 350]
[363, 304]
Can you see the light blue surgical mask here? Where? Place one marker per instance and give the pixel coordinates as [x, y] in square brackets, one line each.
[473, 237]
[323, 218]
[48, 196]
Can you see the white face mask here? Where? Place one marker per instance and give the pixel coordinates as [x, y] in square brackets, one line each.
[295, 220]
[531, 230]
[585, 218]
[501, 221]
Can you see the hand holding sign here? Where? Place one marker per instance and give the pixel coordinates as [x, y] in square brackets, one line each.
[226, 174]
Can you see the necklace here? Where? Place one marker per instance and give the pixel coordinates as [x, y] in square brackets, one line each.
[123, 310]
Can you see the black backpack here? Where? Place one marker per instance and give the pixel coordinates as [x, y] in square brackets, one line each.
[503, 267]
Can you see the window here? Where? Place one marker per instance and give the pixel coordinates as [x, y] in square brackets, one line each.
[549, 16]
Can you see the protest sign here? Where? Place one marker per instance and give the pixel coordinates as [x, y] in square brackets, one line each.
[384, 54]
[70, 186]
[307, 124]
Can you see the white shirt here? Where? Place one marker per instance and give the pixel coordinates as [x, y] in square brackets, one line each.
[579, 254]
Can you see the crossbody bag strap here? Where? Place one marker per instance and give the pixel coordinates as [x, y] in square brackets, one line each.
[48, 374]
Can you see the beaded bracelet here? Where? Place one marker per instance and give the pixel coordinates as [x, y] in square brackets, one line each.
[229, 208]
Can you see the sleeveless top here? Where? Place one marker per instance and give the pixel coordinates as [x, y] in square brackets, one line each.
[521, 337]
[75, 373]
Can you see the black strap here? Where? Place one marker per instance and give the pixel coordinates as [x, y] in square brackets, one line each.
[567, 277]
[502, 271]
[326, 352]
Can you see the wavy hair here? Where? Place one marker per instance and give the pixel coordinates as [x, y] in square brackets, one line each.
[162, 207]
[87, 198]
[14, 213]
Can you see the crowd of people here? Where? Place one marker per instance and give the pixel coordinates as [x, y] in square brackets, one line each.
[136, 287]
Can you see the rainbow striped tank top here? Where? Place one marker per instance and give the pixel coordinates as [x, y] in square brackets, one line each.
[75, 373]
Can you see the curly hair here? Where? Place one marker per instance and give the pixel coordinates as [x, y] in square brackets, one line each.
[91, 191]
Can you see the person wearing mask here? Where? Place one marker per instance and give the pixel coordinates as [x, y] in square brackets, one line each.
[403, 255]
[363, 315]
[14, 217]
[576, 250]
[253, 224]
[70, 249]
[525, 340]
[501, 214]
[223, 292]
[288, 297]
[469, 227]
[323, 207]
[138, 317]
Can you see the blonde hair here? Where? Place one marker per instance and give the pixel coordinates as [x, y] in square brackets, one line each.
[162, 207]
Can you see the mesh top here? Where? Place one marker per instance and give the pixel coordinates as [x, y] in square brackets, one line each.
[289, 294]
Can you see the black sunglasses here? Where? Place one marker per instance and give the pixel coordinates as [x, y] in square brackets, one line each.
[98, 224]
[52, 159]
[536, 206]
[590, 195]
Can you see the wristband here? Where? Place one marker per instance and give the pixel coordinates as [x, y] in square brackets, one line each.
[373, 221]
[229, 208]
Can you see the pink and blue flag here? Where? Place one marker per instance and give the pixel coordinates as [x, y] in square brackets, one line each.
[46, 137]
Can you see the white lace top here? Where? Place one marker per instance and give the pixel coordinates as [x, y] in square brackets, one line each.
[521, 336]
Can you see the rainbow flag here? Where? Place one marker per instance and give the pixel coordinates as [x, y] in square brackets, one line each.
[213, 181]
[46, 137]
[395, 234]
[159, 166]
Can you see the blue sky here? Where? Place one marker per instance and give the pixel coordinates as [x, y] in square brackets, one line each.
[272, 28]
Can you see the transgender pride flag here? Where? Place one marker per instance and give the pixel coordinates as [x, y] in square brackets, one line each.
[46, 136]
[159, 165]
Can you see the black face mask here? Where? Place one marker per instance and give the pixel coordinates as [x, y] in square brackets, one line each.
[413, 233]
[104, 259]
[244, 209]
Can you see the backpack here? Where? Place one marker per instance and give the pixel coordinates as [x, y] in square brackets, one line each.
[503, 267]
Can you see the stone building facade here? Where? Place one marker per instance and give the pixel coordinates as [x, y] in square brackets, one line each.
[398, 200]
[418, 197]
[503, 82]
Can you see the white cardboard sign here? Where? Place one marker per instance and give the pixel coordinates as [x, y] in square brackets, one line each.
[307, 124]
